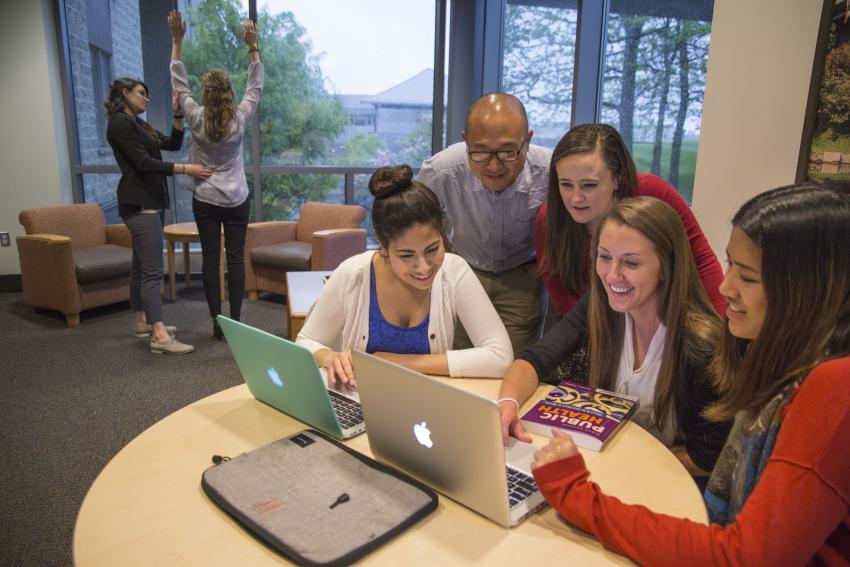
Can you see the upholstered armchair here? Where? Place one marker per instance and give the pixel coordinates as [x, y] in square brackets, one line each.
[323, 236]
[72, 260]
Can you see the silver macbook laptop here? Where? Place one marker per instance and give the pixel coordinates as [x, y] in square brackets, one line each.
[285, 376]
[446, 437]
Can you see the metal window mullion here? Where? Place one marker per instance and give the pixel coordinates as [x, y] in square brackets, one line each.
[439, 77]
[491, 56]
[256, 159]
[256, 166]
[589, 61]
[349, 188]
[67, 82]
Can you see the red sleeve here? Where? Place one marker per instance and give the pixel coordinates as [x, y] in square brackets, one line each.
[563, 299]
[710, 271]
[798, 510]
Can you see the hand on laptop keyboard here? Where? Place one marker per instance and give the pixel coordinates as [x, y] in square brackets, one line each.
[511, 425]
[338, 366]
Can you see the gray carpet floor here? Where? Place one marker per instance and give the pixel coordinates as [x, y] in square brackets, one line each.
[73, 397]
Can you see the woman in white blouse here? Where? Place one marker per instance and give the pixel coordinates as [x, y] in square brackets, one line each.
[218, 128]
[401, 302]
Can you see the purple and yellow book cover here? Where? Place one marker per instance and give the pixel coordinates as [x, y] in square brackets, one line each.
[590, 415]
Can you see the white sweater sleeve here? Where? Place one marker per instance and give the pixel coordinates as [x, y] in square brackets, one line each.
[253, 90]
[180, 85]
[492, 353]
[325, 321]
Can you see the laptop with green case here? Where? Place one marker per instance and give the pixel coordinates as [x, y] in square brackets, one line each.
[285, 376]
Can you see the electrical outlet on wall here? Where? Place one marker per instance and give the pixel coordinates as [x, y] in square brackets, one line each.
[4, 239]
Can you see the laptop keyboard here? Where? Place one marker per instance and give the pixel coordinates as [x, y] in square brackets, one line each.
[347, 411]
[520, 486]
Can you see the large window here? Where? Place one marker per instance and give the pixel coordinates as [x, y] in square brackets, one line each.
[655, 64]
[333, 109]
[354, 89]
[537, 64]
[642, 70]
[351, 86]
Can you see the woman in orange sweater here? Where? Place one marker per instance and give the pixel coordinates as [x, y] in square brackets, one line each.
[780, 492]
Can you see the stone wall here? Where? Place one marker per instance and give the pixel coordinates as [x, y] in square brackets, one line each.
[126, 61]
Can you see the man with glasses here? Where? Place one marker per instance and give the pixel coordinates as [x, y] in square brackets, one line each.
[491, 186]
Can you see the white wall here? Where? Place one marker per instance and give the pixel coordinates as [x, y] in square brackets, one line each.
[759, 69]
[34, 160]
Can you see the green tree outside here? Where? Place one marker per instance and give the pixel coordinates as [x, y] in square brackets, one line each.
[299, 120]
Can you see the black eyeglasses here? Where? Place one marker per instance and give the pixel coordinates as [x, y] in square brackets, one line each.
[503, 156]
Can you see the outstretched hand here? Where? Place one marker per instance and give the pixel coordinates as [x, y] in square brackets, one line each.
[176, 25]
[249, 33]
[560, 446]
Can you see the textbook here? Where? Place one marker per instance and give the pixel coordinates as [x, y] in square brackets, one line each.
[590, 415]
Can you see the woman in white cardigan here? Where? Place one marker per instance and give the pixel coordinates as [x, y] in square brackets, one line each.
[401, 302]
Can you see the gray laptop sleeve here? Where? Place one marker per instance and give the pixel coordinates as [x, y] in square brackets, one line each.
[315, 500]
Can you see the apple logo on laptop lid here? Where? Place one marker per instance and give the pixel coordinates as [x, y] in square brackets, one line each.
[423, 434]
[274, 377]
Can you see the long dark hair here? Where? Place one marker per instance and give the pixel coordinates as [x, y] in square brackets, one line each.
[116, 102]
[400, 203]
[693, 327]
[803, 232]
[566, 246]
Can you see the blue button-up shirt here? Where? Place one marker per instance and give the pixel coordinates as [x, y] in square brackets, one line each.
[492, 231]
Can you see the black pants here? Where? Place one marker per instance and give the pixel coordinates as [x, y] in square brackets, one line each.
[210, 219]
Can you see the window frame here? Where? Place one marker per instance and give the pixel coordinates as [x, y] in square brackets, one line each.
[474, 30]
[256, 169]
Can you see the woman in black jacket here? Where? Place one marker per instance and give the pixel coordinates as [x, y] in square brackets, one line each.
[650, 331]
[142, 200]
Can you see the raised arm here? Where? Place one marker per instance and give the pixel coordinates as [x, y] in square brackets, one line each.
[249, 34]
[254, 88]
[186, 105]
[178, 30]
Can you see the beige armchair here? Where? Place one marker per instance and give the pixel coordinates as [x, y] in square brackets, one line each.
[323, 236]
[72, 260]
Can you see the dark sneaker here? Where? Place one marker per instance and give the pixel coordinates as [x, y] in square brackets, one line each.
[171, 346]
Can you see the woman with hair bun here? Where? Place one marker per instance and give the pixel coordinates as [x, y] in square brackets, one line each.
[218, 129]
[401, 301]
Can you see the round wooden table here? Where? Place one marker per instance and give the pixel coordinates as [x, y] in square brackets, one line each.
[147, 507]
[186, 232]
